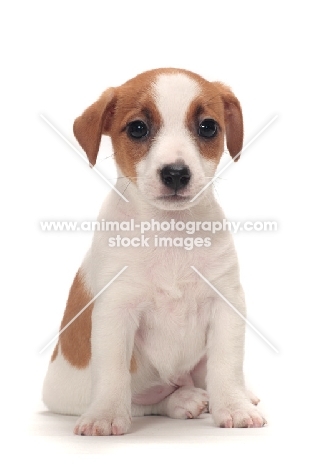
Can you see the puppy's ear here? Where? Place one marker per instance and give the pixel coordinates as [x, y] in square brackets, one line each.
[95, 121]
[233, 116]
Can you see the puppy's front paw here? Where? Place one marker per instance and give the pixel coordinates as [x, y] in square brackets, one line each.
[238, 415]
[187, 403]
[102, 424]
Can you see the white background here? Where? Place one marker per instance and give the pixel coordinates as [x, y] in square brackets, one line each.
[57, 58]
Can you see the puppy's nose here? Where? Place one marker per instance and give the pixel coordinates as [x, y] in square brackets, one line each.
[175, 176]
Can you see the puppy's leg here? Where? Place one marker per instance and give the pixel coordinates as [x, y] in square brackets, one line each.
[199, 376]
[113, 330]
[229, 401]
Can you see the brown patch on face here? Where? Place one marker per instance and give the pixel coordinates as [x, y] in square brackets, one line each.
[216, 101]
[207, 105]
[55, 353]
[133, 365]
[75, 340]
[135, 102]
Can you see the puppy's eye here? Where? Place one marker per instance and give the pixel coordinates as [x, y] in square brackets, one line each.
[208, 128]
[137, 129]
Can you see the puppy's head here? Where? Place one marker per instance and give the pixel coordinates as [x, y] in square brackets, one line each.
[167, 128]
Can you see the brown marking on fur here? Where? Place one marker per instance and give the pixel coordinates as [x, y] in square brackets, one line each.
[75, 340]
[55, 353]
[133, 365]
[95, 120]
[233, 116]
[135, 103]
[217, 101]
[207, 104]
[111, 114]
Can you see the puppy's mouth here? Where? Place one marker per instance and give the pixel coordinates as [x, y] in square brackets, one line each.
[174, 197]
[172, 201]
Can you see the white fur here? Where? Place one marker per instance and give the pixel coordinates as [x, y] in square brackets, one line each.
[159, 307]
[66, 389]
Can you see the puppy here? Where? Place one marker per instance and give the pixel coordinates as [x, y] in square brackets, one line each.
[159, 339]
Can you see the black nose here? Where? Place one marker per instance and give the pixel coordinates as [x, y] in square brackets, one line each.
[175, 176]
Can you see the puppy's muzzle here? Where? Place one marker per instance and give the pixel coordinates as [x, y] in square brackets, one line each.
[175, 176]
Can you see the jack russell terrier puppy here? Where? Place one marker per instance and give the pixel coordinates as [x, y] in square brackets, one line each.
[159, 340]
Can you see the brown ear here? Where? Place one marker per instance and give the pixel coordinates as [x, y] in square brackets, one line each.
[233, 116]
[95, 120]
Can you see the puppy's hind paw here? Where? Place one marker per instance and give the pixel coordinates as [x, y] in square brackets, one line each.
[187, 403]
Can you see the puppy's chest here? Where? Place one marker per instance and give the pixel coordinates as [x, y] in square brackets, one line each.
[177, 296]
[182, 316]
[174, 321]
